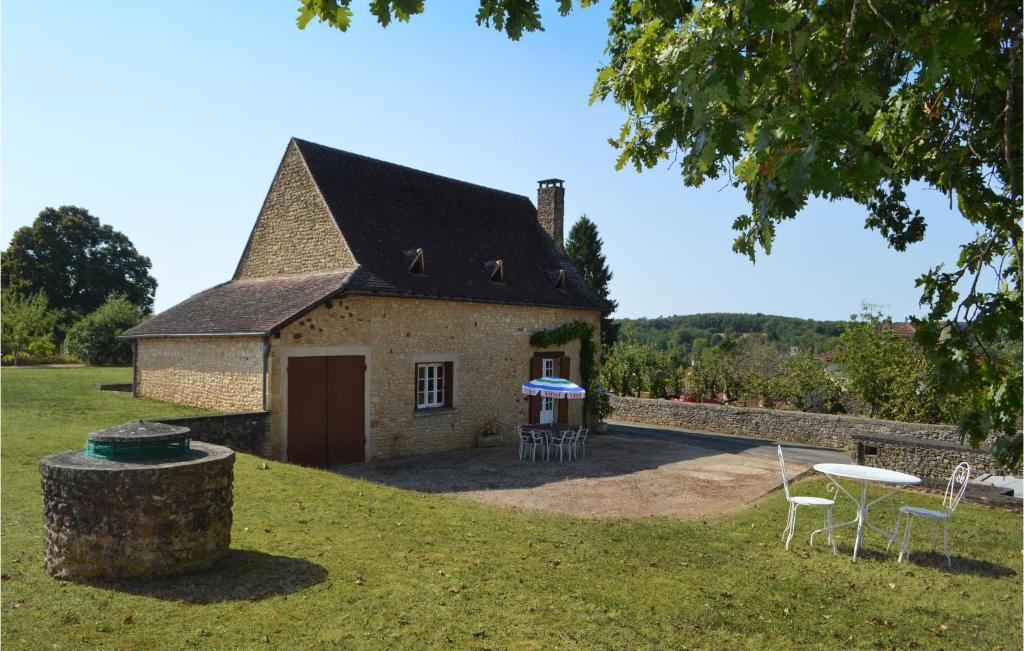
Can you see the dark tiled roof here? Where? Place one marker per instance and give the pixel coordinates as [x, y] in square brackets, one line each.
[243, 306]
[387, 211]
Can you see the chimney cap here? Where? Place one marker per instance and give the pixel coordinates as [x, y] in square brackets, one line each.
[546, 183]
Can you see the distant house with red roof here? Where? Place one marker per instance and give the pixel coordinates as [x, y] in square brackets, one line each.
[905, 330]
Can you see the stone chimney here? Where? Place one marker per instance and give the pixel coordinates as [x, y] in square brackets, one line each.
[551, 209]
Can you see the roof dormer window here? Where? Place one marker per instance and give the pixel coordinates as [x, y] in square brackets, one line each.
[560, 280]
[418, 265]
[498, 273]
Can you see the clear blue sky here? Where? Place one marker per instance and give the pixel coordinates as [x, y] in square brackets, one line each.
[167, 121]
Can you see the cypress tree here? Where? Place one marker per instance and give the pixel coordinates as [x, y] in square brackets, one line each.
[584, 249]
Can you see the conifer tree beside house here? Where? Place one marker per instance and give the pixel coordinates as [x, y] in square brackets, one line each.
[584, 248]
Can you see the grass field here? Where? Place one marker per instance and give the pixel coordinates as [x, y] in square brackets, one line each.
[320, 560]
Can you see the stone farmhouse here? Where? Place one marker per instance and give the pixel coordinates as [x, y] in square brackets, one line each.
[377, 311]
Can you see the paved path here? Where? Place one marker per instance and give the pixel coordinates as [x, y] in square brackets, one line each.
[727, 444]
[633, 471]
[1016, 484]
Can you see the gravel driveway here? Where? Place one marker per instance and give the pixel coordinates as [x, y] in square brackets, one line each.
[627, 473]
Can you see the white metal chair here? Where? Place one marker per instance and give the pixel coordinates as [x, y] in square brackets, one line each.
[572, 435]
[530, 440]
[580, 442]
[955, 490]
[796, 501]
[563, 441]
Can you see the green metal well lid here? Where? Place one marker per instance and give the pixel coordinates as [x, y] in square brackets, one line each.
[137, 441]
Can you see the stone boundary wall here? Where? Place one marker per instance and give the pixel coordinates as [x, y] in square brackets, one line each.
[935, 459]
[823, 430]
[244, 431]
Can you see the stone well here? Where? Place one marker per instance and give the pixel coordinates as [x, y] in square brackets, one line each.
[139, 501]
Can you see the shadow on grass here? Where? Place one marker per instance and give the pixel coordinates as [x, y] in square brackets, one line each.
[961, 564]
[241, 575]
[932, 560]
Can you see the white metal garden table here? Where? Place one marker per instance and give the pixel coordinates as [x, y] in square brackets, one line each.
[865, 475]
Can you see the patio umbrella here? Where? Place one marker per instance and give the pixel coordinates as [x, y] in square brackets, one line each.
[553, 387]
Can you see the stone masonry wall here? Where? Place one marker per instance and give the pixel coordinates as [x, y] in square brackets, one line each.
[294, 233]
[488, 345]
[823, 430]
[935, 459]
[222, 373]
[551, 212]
[108, 520]
[246, 431]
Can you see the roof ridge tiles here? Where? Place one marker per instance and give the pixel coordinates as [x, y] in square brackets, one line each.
[442, 177]
[312, 274]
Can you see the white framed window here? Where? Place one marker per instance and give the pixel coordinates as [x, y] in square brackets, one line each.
[432, 385]
[548, 368]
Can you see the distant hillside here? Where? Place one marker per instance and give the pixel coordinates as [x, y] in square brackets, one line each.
[693, 332]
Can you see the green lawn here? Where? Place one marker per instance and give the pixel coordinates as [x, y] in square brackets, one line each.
[323, 560]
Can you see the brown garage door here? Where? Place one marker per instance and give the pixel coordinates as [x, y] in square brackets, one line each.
[325, 410]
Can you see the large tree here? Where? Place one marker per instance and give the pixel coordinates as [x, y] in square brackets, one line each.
[834, 99]
[77, 262]
[584, 247]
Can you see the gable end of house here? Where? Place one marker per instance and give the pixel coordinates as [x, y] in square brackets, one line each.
[295, 232]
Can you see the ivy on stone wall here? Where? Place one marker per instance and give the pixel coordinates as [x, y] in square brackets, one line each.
[594, 402]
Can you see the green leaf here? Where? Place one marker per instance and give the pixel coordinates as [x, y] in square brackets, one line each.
[747, 169]
[960, 39]
[306, 14]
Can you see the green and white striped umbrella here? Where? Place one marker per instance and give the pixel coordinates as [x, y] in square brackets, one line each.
[553, 387]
